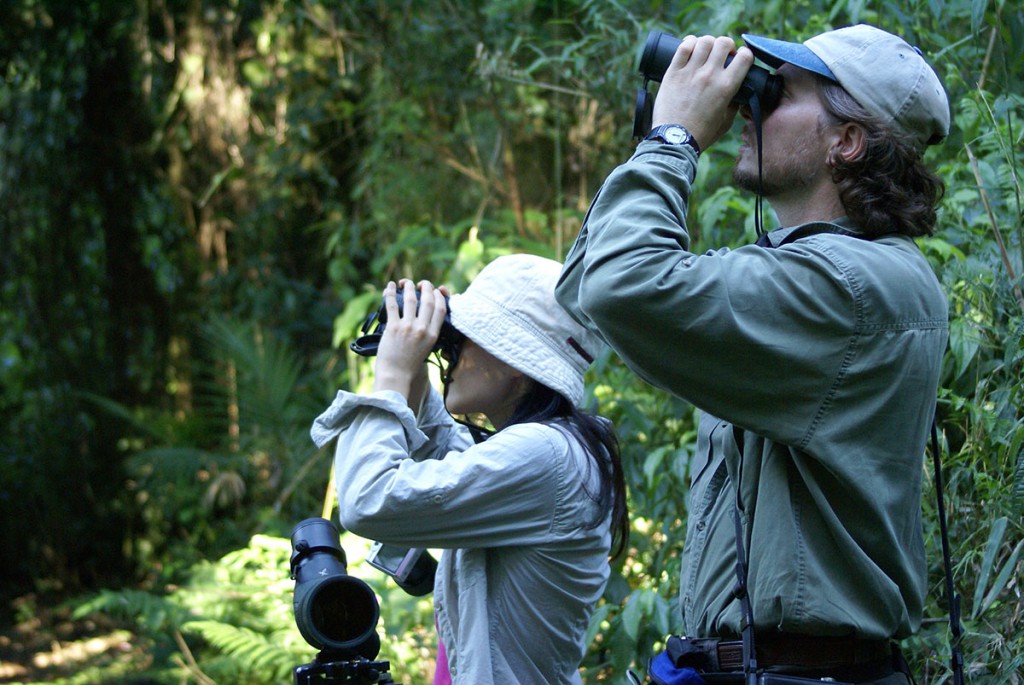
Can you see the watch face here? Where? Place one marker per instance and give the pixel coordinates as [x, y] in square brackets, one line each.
[675, 135]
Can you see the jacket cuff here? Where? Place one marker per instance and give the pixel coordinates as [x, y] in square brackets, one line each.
[347, 405]
[682, 157]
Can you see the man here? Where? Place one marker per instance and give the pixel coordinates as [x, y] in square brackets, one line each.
[814, 355]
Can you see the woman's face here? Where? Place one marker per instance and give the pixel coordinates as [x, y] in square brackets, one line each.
[483, 384]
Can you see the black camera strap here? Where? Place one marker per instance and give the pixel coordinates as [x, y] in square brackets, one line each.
[757, 117]
[956, 659]
[740, 592]
[478, 433]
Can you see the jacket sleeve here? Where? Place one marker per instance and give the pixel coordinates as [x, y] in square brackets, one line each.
[730, 330]
[500, 492]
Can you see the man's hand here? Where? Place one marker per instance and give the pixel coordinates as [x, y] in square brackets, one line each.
[409, 338]
[697, 88]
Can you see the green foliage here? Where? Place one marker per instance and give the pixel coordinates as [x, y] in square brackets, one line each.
[154, 613]
[237, 610]
[656, 433]
[232, 621]
[244, 467]
[56, 334]
[982, 599]
[203, 200]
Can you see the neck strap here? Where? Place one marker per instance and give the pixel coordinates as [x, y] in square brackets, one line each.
[740, 592]
[757, 117]
[956, 659]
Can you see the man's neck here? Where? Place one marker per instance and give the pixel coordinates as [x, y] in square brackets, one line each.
[803, 208]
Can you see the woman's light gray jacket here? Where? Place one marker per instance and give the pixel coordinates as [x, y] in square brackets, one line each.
[522, 568]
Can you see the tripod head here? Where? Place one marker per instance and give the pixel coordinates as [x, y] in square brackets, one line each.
[325, 669]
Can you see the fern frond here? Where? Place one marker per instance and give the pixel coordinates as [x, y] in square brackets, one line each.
[256, 654]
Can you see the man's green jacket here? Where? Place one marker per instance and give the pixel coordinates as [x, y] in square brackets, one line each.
[816, 363]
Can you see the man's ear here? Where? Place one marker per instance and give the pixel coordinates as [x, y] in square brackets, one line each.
[851, 143]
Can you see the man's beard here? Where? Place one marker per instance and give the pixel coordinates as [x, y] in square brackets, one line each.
[747, 180]
[785, 174]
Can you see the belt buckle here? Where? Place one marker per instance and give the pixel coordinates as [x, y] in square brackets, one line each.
[729, 654]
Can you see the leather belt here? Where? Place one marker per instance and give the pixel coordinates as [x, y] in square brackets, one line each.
[805, 651]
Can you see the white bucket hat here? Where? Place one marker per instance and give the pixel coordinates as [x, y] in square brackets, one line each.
[510, 311]
[882, 72]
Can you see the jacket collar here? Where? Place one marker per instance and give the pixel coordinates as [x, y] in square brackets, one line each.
[782, 236]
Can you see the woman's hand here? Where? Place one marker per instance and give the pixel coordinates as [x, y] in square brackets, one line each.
[408, 339]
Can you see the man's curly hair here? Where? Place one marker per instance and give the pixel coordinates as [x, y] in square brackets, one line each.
[887, 189]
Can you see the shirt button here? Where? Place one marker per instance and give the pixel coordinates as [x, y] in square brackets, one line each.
[438, 499]
[701, 525]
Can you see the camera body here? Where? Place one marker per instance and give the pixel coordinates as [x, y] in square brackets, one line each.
[448, 340]
[759, 83]
[413, 569]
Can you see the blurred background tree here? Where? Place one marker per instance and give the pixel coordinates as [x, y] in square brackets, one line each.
[201, 201]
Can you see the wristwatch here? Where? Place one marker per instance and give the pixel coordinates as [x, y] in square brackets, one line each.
[673, 134]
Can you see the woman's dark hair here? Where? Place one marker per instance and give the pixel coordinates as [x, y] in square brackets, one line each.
[541, 404]
[888, 189]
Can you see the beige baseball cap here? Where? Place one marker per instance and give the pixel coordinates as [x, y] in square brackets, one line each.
[882, 72]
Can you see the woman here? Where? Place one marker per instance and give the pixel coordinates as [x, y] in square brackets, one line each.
[525, 518]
